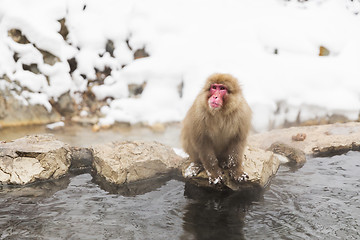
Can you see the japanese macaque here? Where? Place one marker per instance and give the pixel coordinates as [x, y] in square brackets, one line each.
[216, 127]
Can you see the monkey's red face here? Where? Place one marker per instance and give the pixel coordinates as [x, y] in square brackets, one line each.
[218, 93]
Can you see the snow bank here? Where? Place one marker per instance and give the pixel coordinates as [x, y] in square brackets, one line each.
[271, 46]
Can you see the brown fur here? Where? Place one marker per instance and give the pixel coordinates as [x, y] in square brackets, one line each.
[216, 138]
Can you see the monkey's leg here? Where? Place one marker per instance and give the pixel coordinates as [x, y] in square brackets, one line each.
[211, 165]
[195, 166]
[234, 156]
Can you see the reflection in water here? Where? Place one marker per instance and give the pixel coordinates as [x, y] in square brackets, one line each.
[83, 210]
[216, 215]
[134, 188]
[20, 215]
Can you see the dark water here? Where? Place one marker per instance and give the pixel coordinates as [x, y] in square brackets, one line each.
[319, 201]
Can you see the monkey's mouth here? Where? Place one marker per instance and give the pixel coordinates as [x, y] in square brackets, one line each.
[214, 104]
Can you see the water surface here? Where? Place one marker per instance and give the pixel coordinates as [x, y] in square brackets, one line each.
[318, 201]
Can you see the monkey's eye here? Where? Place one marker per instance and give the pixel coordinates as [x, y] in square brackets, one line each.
[222, 88]
[213, 87]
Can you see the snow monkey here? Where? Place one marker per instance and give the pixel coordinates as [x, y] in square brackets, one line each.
[216, 127]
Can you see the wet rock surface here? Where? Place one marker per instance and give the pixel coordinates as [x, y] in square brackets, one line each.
[81, 159]
[131, 161]
[294, 155]
[260, 165]
[33, 158]
[120, 164]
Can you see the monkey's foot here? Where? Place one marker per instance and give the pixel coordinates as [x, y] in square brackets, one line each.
[192, 170]
[216, 180]
[242, 178]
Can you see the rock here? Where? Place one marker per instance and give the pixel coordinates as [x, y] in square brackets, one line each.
[81, 159]
[65, 105]
[72, 64]
[17, 36]
[33, 67]
[321, 140]
[125, 162]
[136, 89]
[64, 32]
[323, 51]
[141, 53]
[335, 150]
[13, 112]
[260, 165]
[299, 137]
[294, 155]
[31, 158]
[109, 47]
[48, 57]
[101, 74]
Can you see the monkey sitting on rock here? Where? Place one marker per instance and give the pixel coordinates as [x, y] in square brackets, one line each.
[216, 127]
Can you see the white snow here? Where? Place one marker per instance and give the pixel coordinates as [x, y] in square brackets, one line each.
[180, 152]
[187, 41]
[55, 125]
[282, 158]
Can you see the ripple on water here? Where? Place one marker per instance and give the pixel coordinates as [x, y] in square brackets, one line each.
[318, 201]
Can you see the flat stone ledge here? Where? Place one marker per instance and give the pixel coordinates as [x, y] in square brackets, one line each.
[321, 140]
[31, 158]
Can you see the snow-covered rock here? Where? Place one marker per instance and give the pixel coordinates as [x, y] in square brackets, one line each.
[25, 109]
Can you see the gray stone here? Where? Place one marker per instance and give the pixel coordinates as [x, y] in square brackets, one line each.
[32, 158]
[130, 161]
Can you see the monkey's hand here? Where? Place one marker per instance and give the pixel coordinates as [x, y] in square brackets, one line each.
[192, 170]
[243, 177]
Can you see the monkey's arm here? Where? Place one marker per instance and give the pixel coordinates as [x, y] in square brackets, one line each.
[210, 162]
[233, 159]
